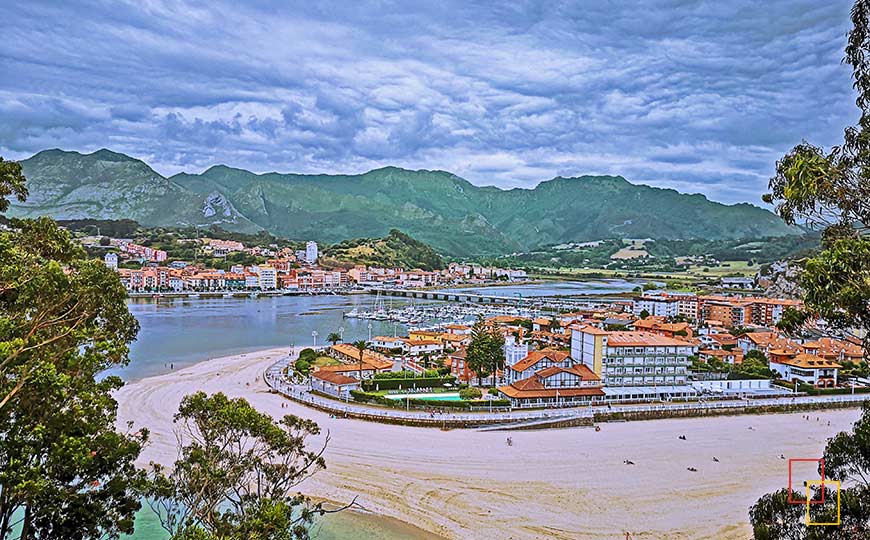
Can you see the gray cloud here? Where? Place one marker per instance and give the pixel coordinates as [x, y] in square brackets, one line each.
[697, 95]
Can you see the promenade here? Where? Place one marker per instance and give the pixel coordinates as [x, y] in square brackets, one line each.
[561, 417]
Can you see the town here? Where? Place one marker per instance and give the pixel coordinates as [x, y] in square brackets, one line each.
[282, 270]
[658, 347]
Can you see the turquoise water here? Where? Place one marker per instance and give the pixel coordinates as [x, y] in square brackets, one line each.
[346, 525]
[446, 396]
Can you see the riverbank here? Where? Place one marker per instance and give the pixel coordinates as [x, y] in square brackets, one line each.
[560, 483]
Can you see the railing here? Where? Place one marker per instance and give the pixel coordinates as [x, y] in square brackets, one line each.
[482, 415]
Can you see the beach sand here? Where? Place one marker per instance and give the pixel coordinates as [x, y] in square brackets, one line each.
[559, 483]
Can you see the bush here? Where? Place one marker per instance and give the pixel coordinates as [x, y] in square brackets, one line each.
[493, 391]
[309, 355]
[470, 393]
[303, 367]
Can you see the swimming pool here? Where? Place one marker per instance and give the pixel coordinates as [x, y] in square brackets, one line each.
[443, 396]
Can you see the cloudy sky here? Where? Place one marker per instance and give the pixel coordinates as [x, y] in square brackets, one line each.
[700, 96]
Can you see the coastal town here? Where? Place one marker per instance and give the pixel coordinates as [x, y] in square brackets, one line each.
[658, 347]
[283, 270]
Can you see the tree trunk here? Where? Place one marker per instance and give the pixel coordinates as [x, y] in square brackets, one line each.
[25, 527]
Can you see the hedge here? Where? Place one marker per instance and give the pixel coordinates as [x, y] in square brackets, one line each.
[365, 397]
[813, 391]
[403, 383]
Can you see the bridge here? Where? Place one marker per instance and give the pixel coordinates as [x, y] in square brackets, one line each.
[470, 297]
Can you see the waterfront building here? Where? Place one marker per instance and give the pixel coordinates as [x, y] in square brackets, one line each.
[333, 383]
[551, 378]
[807, 368]
[267, 278]
[632, 358]
[658, 325]
[386, 343]
[731, 357]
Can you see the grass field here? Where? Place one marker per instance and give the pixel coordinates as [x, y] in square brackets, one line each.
[322, 361]
[726, 268]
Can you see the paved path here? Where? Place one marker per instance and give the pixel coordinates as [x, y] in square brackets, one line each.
[277, 382]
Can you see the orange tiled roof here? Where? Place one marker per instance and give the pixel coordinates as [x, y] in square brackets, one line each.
[810, 361]
[533, 358]
[334, 377]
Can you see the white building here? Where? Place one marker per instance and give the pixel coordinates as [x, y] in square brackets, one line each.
[514, 350]
[659, 306]
[632, 358]
[111, 260]
[807, 368]
[311, 252]
[334, 384]
[267, 278]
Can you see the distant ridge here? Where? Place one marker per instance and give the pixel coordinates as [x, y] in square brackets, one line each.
[437, 207]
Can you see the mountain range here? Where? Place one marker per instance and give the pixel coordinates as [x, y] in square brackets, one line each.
[451, 214]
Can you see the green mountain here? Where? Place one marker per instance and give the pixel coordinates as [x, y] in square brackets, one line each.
[437, 207]
[108, 185]
[397, 249]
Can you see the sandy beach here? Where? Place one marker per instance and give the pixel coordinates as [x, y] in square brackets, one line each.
[564, 484]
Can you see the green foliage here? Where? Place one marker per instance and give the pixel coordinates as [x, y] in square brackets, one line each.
[308, 354]
[829, 190]
[846, 460]
[12, 183]
[237, 473]
[397, 249]
[64, 469]
[755, 366]
[333, 337]
[435, 207]
[302, 367]
[837, 283]
[485, 353]
[644, 314]
[470, 393]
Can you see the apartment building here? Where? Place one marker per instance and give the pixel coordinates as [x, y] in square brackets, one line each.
[632, 358]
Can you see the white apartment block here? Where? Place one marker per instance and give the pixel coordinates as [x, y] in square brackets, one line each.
[659, 306]
[632, 358]
[311, 252]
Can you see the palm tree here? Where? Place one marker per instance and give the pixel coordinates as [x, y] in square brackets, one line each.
[361, 346]
[333, 338]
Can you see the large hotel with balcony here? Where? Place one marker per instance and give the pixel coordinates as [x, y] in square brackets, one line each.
[634, 365]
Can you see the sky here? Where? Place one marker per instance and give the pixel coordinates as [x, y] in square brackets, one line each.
[699, 96]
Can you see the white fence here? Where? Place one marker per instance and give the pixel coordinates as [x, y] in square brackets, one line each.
[275, 379]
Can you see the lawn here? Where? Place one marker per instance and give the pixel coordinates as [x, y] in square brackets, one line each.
[724, 269]
[322, 361]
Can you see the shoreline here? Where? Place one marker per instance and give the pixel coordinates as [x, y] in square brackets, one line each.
[565, 483]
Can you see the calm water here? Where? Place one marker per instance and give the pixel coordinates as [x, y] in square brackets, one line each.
[555, 288]
[181, 332]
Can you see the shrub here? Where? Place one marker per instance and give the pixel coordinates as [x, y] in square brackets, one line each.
[406, 382]
[308, 354]
[303, 367]
[493, 391]
[470, 393]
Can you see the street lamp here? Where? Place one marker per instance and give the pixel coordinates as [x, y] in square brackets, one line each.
[370, 330]
[341, 333]
[314, 335]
